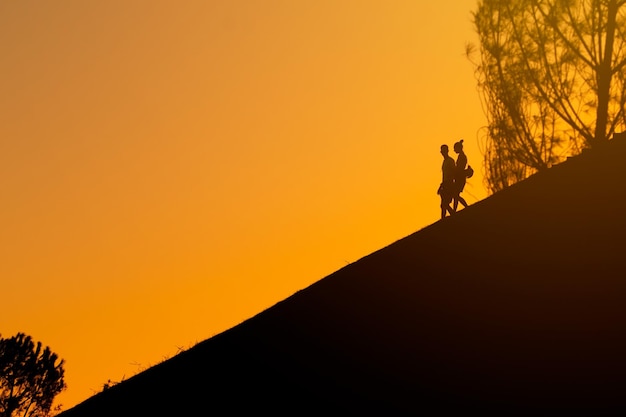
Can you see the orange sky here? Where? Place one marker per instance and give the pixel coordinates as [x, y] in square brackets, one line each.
[169, 169]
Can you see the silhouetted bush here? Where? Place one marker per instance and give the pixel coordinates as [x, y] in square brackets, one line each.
[30, 377]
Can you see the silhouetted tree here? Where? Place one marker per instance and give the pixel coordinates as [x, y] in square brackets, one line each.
[30, 377]
[552, 80]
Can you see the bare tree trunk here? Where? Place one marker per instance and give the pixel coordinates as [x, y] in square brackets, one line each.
[604, 75]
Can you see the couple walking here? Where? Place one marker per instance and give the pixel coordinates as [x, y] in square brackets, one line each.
[455, 175]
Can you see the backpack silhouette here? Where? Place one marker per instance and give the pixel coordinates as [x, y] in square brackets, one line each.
[469, 171]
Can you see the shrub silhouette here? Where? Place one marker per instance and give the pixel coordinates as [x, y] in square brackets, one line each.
[30, 377]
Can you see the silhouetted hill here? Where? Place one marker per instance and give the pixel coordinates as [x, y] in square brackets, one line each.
[514, 306]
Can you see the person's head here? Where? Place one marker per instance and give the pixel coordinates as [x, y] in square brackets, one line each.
[444, 150]
[458, 146]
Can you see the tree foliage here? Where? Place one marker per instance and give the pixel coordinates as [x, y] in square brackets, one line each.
[552, 79]
[30, 377]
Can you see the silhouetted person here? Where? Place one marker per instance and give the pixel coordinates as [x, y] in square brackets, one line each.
[446, 189]
[460, 177]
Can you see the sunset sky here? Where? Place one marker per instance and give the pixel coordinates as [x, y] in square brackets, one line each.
[168, 169]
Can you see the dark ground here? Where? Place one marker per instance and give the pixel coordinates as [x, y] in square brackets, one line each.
[514, 306]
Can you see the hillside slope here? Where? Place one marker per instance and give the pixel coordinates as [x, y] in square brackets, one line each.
[514, 306]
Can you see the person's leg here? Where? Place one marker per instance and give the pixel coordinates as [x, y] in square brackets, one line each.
[445, 206]
[457, 197]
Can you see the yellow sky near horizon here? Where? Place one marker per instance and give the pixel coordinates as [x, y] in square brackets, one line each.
[170, 169]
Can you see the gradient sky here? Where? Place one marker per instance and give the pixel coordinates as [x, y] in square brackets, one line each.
[169, 169]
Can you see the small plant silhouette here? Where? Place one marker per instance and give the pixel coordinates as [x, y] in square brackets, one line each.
[30, 377]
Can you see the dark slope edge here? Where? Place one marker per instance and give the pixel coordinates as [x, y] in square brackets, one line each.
[514, 306]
